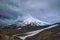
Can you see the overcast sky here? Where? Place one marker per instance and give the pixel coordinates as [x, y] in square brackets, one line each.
[45, 10]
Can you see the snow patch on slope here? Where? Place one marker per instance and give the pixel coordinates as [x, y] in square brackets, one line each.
[32, 33]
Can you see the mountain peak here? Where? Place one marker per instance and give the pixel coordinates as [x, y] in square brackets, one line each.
[32, 21]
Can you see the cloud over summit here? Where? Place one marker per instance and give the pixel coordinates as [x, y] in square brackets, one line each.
[41, 9]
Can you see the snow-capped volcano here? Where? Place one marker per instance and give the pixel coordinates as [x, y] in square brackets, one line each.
[32, 21]
[35, 21]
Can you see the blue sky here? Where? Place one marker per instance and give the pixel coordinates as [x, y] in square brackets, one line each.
[45, 10]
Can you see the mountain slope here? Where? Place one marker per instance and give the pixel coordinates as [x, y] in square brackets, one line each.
[32, 21]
